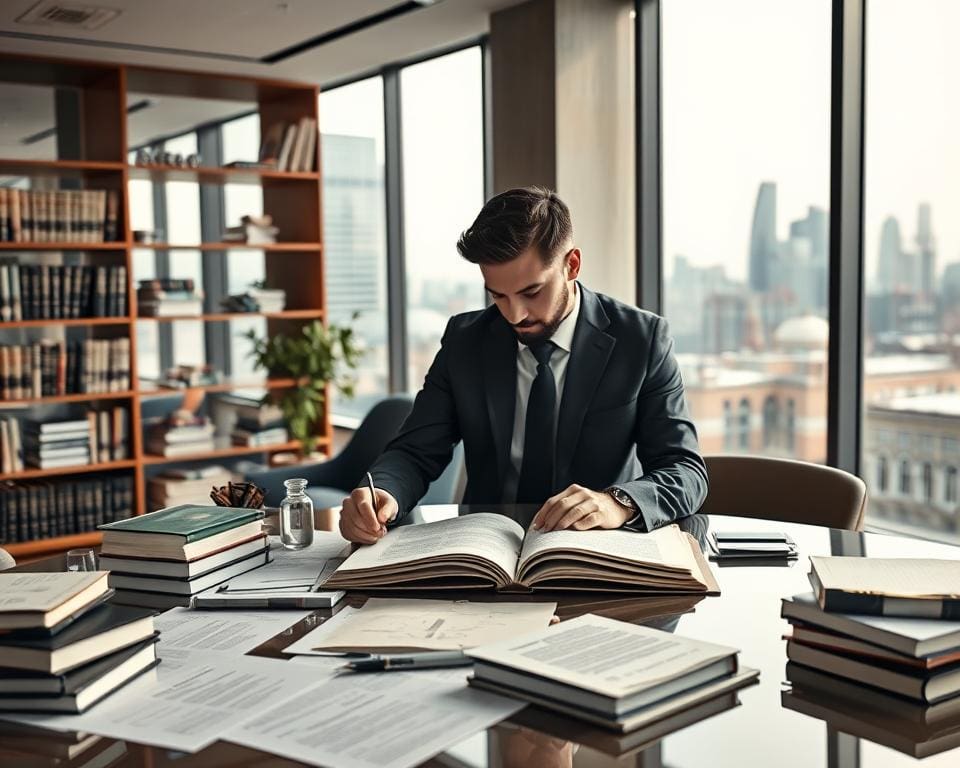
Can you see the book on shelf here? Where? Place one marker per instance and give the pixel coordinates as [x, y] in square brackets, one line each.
[51, 368]
[184, 376]
[886, 586]
[634, 670]
[44, 600]
[169, 490]
[249, 409]
[181, 533]
[63, 506]
[76, 690]
[263, 437]
[486, 550]
[252, 230]
[58, 291]
[179, 434]
[102, 437]
[291, 146]
[11, 445]
[169, 297]
[55, 216]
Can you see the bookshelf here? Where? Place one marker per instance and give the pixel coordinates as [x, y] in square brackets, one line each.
[99, 161]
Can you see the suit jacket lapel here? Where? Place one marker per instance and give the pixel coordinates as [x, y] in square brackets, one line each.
[500, 375]
[588, 359]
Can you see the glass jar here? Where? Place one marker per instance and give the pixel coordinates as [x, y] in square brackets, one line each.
[296, 515]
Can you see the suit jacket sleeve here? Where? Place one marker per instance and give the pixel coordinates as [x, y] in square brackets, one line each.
[424, 446]
[674, 480]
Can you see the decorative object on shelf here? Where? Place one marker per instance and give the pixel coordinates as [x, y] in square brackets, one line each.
[148, 236]
[317, 356]
[159, 157]
[247, 495]
[252, 230]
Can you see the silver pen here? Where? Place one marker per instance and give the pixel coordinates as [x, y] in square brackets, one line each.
[373, 494]
[428, 660]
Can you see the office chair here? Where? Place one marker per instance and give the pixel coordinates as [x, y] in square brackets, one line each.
[786, 490]
[331, 480]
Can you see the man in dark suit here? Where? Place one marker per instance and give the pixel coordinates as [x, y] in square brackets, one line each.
[562, 397]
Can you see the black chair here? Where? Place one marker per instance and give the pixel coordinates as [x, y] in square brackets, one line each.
[331, 480]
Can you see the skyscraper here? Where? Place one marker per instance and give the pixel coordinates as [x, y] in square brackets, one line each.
[763, 237]
[926, 251]
[890, 266]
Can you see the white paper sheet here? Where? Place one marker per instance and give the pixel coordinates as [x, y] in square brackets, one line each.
[291, 568]
[188, 704]
[234, 632]
[388, 720]
[387, 624]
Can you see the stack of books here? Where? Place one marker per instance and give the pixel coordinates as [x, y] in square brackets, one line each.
[169, 297]
[269, 299]
[58, 216]
[252, 230]
[43, 748]
[49, 444]
[849, 627]
[63, 647]
[180, 434]
[49, 368]
[610, 673]
[174, 487]
[54, 291]
[163, 558]
[290, 146]
[254, 421]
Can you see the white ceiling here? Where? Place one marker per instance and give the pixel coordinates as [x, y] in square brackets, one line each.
[245, 30]
[252, 29]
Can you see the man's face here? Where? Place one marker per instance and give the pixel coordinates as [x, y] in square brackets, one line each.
[532, 297]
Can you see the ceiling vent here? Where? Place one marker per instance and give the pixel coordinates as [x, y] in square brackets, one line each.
[68, 15]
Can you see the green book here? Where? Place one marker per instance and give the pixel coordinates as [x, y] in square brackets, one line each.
[189, 522]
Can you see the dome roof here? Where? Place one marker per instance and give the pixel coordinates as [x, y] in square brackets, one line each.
[805, 332]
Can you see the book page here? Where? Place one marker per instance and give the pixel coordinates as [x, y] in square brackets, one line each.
[665, 546]
[896, 577]
[42, 591]
[493, 537]
[603, 655]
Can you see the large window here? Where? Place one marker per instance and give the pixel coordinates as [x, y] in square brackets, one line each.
[442, 130]
[354, 229]
[746, 183]
[912, 260]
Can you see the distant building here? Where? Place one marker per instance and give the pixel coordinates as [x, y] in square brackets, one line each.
[763, 237]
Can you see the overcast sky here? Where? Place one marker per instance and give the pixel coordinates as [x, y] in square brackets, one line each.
[746, 99]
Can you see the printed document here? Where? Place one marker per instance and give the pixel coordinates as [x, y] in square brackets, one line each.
[234, 632]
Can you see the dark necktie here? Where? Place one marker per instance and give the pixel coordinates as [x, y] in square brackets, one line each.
[536, 469]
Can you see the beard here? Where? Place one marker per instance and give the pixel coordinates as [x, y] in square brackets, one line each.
[544, 332]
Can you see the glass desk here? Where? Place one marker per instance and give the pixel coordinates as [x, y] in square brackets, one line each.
[763, 725]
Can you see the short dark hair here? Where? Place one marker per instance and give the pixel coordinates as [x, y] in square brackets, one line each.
[514, 221]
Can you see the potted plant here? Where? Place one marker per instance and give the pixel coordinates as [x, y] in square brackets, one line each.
[318, 355]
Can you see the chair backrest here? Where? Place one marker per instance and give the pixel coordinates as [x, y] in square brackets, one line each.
[378, 428]
[784, 489]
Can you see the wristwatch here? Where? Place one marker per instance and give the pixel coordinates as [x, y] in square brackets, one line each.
[624, 500]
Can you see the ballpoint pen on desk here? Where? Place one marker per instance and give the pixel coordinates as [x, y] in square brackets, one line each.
[429, 660]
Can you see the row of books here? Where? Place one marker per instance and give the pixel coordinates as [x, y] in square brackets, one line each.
[49, 508]
[102, 436]
[163, 558]
[58, 291]
[174, 487]
[48, 368]
[64, 646]
[59, 216]
[290, 146]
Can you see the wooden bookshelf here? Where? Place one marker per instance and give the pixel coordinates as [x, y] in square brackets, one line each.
[101, 162]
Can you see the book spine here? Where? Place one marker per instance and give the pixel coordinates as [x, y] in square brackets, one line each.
[837, 601]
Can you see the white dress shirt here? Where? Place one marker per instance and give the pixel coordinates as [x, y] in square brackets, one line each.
[526, 373]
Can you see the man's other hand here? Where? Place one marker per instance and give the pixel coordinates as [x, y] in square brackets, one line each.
[580, 508]
[359, 521]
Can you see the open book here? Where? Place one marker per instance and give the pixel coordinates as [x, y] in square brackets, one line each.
[490, 550]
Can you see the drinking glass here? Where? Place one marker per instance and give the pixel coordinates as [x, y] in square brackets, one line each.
[81, 560]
